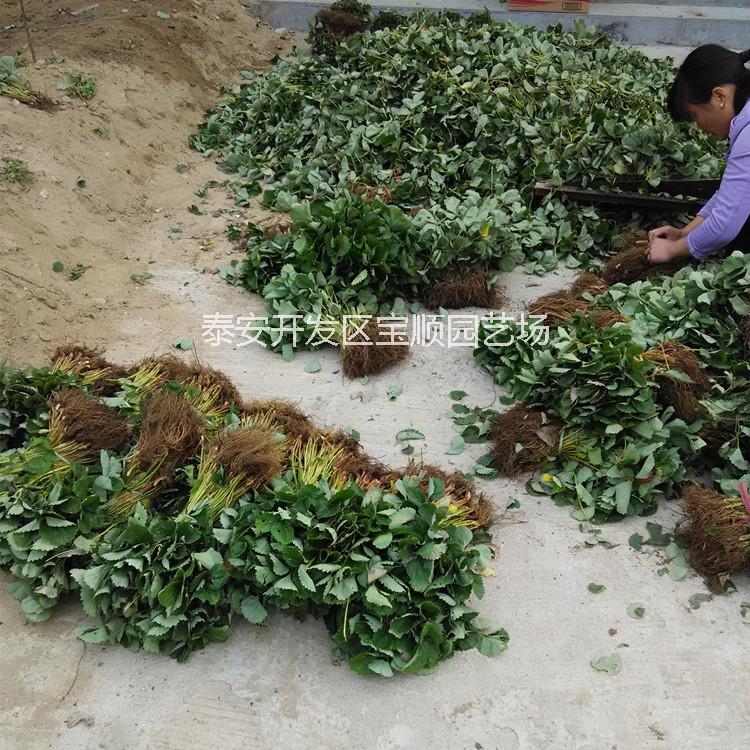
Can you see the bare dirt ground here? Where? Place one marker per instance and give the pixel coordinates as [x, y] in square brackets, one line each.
[155, 78]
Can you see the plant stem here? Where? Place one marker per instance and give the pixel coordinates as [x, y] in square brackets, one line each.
[28, 30]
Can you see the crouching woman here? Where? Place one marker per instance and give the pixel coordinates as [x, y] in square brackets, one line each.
[712, 88]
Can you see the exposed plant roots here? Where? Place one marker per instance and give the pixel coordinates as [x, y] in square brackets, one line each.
[354, 462]
[275, 229]
[675, 392]
[206, 378]
[341, 24]
[745, 328]
[715, 438]
[717, 532]
[170, 368]
[528, 429]
[468, 289]
[316, 460]
[605, 318]
[369, 193]
[251, 454]
[673, 356]
[586, 282]
[467, 506]
[219, 391]
[285, 417]
[42, 102]
[363, 359]
[631, 264]
[237, 461]
[558, 306]
[95, 371]
[81, 420]
[171, 433]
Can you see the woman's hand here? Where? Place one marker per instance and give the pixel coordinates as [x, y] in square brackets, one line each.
[663, 251]
[666, 233]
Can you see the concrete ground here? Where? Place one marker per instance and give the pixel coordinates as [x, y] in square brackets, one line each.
[685, 679]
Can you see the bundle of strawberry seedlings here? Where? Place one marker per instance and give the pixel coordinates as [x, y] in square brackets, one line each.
[643, 387]
[406, 152]
[170, 506]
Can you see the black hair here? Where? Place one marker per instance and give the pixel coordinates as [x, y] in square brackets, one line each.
[705, 68]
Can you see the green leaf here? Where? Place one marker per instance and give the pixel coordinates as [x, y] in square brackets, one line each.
[596, 588]
[377, 598]
[304, 578]
[253, 611]
[184, 344]
[382, 540]
[427, 653]
[56, 536]
[57, 266]
[402, 517]
[344, 588]
[636, 611]
[312, 366]
[677, 570]
[169, 595]
[623, 490]
[287, 353]
[457, 395]
[493, 644]
[381, 667]
[93, 635]
[636, 541]
[431, 551]
[163, 15]
[512, 503]
[409, 434]
[656, 536]
[457, 446]
[286, 584]
[394, 392]
[360, 277]
[696, 600]
[217, 634]
[208, 559]
[609, 664]
[420, 573]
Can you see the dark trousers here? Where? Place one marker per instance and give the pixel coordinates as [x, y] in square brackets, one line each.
[742, 240]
